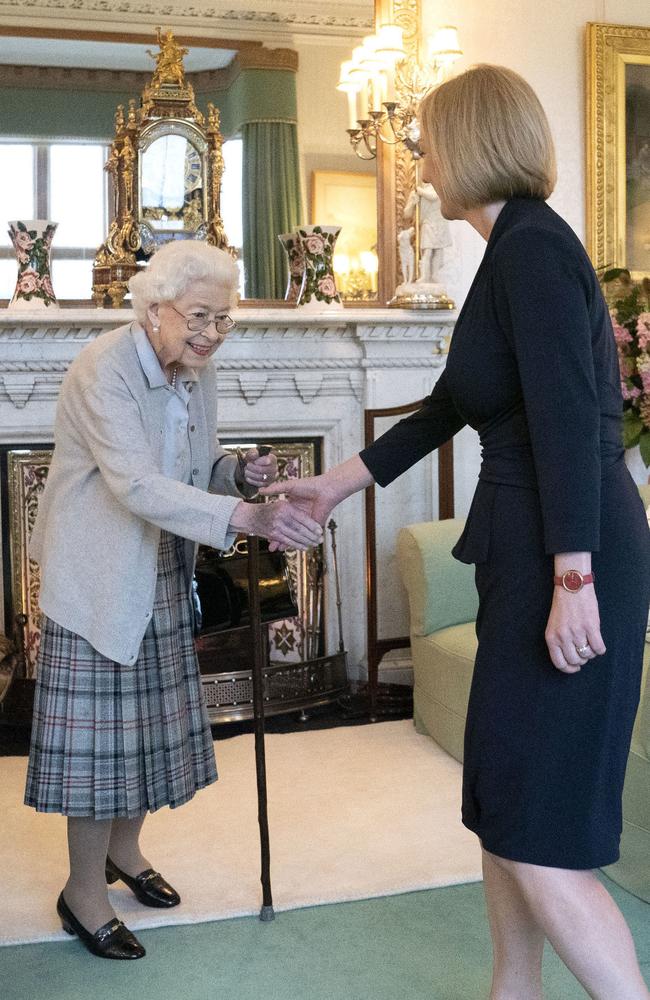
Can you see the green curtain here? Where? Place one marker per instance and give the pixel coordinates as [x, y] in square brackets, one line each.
[270, 203]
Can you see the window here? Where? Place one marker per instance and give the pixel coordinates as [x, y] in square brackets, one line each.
[231, 201]
[64, 182]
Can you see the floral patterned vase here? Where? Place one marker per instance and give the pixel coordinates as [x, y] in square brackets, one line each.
[293, 249]
[319, 290]
[32, 242]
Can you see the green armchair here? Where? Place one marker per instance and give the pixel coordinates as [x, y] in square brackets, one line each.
[443, 605]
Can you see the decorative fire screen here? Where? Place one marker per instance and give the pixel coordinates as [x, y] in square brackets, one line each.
[26, 476]
[291, 640]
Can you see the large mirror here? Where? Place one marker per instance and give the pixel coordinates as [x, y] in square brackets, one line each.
[276, 92]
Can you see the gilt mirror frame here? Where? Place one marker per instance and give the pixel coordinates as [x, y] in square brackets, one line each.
[611, 49]
[395, 167]
[395, 164]
[250, 54]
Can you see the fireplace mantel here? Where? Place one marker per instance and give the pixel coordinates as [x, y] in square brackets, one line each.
[283, 373]
[275, 352]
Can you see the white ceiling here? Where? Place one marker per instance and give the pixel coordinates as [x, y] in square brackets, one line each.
[101, 55]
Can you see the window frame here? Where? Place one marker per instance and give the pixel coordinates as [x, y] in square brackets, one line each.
[41, 189]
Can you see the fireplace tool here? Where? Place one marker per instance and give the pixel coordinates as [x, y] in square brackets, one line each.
[257, 632]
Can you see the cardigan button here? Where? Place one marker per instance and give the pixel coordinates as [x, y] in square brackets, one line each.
[192, 428]
[195, 472]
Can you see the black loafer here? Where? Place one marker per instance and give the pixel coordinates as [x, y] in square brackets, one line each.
[112, 940]
[149, 886]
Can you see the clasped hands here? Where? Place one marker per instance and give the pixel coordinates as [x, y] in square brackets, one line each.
[286, 523]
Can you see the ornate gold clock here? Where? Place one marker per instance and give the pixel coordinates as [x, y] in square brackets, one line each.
[166, 165]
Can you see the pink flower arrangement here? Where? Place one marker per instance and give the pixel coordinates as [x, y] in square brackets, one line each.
[629, 304]
[643, 330]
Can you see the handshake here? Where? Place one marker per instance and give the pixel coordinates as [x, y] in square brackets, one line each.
[295, 522]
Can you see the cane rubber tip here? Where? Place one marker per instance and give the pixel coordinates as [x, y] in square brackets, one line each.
[267, 914]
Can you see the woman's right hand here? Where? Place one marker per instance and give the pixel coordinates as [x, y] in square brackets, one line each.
[315, 495]
[286, 525]
[319, 495]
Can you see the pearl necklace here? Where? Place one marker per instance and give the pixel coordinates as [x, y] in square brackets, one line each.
[172, 381]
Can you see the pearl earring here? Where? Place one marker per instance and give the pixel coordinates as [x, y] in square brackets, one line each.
[156, 329]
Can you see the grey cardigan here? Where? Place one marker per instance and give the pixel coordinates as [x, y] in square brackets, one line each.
[106, 500]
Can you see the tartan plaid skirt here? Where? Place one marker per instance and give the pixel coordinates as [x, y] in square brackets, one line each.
[110, 740]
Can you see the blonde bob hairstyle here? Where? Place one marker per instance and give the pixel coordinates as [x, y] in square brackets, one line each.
[489, 138]
[174, 267]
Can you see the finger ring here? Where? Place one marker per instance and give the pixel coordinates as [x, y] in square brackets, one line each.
[264, 477]
[583, 650]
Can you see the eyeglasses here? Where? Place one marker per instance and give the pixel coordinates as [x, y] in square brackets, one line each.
[201, 321]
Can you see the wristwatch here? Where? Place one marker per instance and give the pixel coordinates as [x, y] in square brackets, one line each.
[573, 580]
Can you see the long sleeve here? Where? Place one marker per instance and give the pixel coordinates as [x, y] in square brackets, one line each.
[542, 290]
[223, 480]
[414, 437]
[109, 420]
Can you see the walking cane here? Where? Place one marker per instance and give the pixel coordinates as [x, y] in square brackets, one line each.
[257, 635]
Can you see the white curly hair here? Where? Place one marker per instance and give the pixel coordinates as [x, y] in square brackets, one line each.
[175, 266]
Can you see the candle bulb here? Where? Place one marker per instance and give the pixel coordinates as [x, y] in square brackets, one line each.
[390, 82]
[363, 104]
[379, 90]
[352, 108]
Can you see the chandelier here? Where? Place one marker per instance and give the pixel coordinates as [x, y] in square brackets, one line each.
[385, 85]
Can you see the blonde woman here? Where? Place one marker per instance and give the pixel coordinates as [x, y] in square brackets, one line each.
[137, 479]
[557, 533]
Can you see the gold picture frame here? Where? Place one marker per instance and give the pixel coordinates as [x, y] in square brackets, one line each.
[618, 147]
[348, 199]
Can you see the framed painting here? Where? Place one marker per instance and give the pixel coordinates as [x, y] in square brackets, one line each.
[349, 200]
[618, 147]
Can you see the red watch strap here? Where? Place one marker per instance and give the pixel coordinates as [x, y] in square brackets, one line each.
[560, 581]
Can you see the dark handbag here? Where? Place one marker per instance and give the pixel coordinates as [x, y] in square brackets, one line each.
[221, 588]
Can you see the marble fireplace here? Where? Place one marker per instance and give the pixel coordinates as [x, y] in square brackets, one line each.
[284, 375]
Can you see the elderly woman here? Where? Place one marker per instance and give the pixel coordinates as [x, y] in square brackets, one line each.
[138, 478]
[557, 533]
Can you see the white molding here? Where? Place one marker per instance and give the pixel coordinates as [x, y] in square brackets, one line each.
[259, 19]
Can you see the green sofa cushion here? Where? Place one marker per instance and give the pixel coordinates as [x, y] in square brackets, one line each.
[441, 590]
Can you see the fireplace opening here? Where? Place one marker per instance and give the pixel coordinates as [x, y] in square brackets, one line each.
[297, 675]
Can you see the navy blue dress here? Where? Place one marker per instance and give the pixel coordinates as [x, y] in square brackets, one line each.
[533, 368]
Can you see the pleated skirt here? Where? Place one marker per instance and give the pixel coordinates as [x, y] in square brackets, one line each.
[110, 740]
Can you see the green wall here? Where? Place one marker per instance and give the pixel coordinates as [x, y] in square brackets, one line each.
[256, 94]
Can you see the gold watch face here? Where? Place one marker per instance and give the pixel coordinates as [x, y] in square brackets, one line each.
[572, 581]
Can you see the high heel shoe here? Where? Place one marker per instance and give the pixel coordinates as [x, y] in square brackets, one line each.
[112, 940]
[149, 887]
